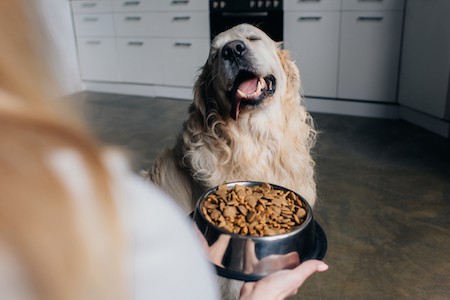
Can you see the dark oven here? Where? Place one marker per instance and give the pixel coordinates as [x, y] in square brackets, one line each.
[267, 15]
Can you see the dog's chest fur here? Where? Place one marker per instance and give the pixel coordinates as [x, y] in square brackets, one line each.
[268, 146]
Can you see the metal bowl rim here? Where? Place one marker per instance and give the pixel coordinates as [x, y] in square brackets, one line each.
[308, 220]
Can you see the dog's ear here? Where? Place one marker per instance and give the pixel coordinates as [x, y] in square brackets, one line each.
[290, 69]
[204, 97]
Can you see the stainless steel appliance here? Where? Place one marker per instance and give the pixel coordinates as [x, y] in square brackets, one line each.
[265, 14]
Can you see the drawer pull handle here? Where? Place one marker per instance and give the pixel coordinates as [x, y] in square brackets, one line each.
[131, 3]
[308, 0]
[90, 19]
[89, 4]
[135, 43]
[370, 0]
[175, 2]
[310, 18]
[133, 19]
[245, 14]
[186, 18]
[93, 43]
[370, 19]
[181, 44]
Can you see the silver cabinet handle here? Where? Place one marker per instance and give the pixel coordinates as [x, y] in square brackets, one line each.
[308, 0]
[370, 19]
[183, 18]
[93, 42]
[131, 3]
[89, 4]
[133, 19]
[370, 0]
[182, 44]
[309, 18]
[175, 2]
[135, 43]
[90, 19]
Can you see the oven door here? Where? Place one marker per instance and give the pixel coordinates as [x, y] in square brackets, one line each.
[271, 22]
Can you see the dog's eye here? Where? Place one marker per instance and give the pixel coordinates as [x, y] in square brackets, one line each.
[254, 38]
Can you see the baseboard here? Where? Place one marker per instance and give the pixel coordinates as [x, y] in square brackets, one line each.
[184, 93]
[353, 108]
[438, 126]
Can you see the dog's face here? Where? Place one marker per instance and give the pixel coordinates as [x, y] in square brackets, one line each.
[244, 73]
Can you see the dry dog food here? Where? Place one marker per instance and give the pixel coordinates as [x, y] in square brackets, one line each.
[256, 210]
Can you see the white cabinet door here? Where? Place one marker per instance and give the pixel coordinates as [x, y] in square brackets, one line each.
[183, 24]
[140, 60]
[95, 6]
[136, 24]
[313, 40]
[98, 59]
[312, 5]
[369, 55]
[94, 25]
[182, 59]
[378, 5]
[135, 5]
[183, 5]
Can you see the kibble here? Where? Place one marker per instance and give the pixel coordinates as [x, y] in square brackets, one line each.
[254, 210]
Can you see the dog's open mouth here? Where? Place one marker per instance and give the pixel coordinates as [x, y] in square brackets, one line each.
[250, 90]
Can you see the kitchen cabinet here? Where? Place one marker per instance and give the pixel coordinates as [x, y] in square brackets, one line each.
[313, 39]
[139, 60]
[347, 49]
[369, 55]
[152, 42]
[311, 33]
[425, 69]
[94, 29]
[98, 59]
[189, 53]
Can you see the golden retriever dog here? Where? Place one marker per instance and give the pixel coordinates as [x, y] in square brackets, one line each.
[247, 122]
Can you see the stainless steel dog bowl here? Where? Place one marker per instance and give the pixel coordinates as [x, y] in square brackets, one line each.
[250, 258]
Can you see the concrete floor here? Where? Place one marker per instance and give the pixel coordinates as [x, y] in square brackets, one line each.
[383, 186]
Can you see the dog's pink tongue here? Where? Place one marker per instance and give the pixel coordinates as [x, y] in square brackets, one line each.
[249, 86]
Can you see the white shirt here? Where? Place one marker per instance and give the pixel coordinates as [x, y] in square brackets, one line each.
[164, 258]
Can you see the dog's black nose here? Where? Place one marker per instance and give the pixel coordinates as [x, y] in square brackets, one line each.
[233, 49]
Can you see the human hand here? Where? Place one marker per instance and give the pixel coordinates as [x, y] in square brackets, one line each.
[281, 284]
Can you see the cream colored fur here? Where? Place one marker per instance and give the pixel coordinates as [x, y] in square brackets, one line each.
[270, 143]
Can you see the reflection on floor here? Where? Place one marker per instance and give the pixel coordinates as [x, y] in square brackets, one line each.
[383, 186]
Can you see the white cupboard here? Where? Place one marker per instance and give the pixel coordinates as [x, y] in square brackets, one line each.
[369, 55]
[98, 59]
[425, 70]
[140, 60]
[313, 40]
[152, 42]
[347, 49]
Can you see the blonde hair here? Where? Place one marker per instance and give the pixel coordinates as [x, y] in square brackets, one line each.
[37, 220]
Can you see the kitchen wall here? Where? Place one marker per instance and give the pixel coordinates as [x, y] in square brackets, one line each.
[63, 61]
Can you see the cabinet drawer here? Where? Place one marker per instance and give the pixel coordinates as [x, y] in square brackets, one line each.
[135, 5]
[183, 5]
[182, 59]
[372, 4]
[369, 55]
[313, 40]
[303, 5]
[136, 24]
[98, 59]
[189, 24]
[140, 60]
[93, 25]
[91, 6]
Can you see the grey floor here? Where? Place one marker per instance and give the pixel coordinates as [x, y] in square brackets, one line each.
[383, 186]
